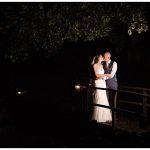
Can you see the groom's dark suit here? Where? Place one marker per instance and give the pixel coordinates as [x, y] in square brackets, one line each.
[111, 83]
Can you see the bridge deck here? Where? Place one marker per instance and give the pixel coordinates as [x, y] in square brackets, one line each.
[131, 125]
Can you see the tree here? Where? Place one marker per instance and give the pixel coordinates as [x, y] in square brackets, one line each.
[41, 28]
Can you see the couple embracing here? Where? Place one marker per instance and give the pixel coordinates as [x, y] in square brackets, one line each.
[105, 77]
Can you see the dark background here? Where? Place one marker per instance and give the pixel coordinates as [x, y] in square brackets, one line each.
[50, 105]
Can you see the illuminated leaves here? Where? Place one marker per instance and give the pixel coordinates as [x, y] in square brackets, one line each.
[93, 20]
[43, 27]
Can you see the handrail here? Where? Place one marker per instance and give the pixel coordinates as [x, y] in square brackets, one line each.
[144, 95]
[133, 103]
[120, 109]
[134, 87]
[119, 90]
[114, 108]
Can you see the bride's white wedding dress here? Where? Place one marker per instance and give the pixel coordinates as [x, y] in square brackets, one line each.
[101, 114]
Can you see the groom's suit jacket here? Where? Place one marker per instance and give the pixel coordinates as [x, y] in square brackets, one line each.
[110, 82]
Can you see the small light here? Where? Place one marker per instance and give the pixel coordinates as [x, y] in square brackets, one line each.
[19, 93]
[78, 87]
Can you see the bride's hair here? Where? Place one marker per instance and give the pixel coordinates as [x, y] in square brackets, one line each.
[97, 58]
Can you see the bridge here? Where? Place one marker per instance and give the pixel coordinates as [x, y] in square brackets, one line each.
[130, 110]
[30, 120]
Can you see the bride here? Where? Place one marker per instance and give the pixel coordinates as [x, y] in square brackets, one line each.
[100, 114]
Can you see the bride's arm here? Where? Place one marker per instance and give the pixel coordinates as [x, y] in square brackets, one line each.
[105, 76]
[113, 72]
[108, 75]
[98, 76]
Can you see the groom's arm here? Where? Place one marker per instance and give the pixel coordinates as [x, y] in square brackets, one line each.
[114, 70]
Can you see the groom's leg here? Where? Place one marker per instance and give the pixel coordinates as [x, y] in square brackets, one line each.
[108, 92]
[111, 98]
[114, 97]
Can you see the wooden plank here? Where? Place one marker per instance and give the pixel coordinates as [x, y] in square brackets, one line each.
[144, 103]
[132, 103]
[134, 88]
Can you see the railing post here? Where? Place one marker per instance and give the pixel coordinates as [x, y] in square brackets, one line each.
[114, 97]
[88, 101]
[144, 103]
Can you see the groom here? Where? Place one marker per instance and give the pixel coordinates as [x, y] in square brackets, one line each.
[110, 67]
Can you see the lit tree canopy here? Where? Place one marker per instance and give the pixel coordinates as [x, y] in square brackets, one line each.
[93, 20]
[41, 28]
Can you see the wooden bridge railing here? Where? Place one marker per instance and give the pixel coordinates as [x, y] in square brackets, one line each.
[114, 108]
[142, 90]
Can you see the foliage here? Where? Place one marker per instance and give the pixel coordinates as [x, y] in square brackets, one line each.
[41, 28]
